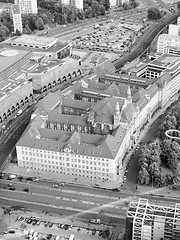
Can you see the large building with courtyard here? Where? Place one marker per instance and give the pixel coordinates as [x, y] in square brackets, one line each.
[88, 131]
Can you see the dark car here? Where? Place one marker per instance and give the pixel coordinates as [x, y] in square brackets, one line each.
[50, 224]
[49, 236]
[12, 188]
[66, 227]
[29, 179]
[93, 231]
[46, 224]
[20, 178]
[34, 222]
[26, 190]
[1, 176]
[29, 221]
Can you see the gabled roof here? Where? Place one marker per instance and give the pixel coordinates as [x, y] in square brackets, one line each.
[66, 119]
[69, 102]
[129, 112]
[152, 89]
[49, 102]
[142, 102]
[139, 94]
[104, 67]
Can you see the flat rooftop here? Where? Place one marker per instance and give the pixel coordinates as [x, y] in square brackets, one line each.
[8, 57]
[166, 61]
[33, 40]
[44, 66]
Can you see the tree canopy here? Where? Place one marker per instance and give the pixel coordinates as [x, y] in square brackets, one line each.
[154, 14]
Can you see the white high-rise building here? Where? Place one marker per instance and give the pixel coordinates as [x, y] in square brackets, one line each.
[27, 6]
[116, 3]
[77, 3]
[17, 19]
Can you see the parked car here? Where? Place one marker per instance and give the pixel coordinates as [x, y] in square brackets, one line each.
[46, 224]
[50, 224]
[93, 231]
[29, 179]
[26, 190]
[49, 236]
[12, 188]
[55, 185]
[65, 227]
[29, 220]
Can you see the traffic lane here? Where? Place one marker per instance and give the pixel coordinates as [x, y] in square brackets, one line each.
[9, 140]
[81, 192]
[71, 187]
[63, 195]
[63, 204]
[62, 213]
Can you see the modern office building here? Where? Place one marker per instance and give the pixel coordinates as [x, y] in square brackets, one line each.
[27, 6]
[146, 221]
[18, 59]
[174, 30]
[77, 3]
[168, 44]
[17, 19]
[116, 3]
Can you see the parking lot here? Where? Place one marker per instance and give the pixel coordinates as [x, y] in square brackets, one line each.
[114, 36]
[42, 226]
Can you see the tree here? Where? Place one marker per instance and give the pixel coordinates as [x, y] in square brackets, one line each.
[153, 169]
[39, 24]
[143, 176]
[172, 160]
[169, 123]
[17, 33]
[106, 233]
[27, 30]
[2, 35]
[133, 3]
[102, 10]
[125, 6]
[178, 5]
[154, 14]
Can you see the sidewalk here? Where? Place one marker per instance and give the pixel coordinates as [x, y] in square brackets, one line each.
[12, 168]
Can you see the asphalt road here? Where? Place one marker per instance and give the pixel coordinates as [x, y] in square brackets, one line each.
[11, 136]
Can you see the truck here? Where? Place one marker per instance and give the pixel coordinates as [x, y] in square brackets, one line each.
[71, 237]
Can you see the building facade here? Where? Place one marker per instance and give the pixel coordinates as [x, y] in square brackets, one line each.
[17, 19]
[77, 3]
[168, 43]
[27, 6]
[149, 221]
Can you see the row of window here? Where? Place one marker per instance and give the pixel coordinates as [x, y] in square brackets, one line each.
[67, 157]
[80, 172]
[49, 163]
